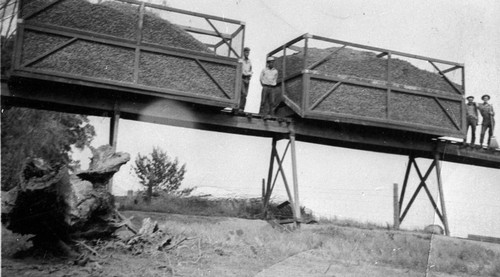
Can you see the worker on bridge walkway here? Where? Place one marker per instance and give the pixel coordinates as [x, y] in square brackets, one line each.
[488, 114]
[471, 120]
[268, 80]
[246, 75]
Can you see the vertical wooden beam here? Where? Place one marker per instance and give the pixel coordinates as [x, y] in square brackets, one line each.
[306, 45]
[243, 27]
[388, 99]
[113, 136]
[138, 42]
[296, 203]
[269, 177]
[283, 72]
[405, 182]
[263, 190]
[113, 126]
[441, 193]
[396, 206]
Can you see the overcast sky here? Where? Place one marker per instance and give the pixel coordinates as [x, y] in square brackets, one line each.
[334, 181]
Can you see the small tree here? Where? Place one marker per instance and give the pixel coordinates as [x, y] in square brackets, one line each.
[158, 172]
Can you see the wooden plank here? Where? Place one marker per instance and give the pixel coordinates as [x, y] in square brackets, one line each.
[384, 87]
[483, 238]
[18, 44]
[306, 44]
[441, 193]
[213, 79]
[377, 49]
[395, 205]
[186, 12]
[452, 69]
[204, 32]
[8, 33]
[383, 54]
[136, 88]
[459, 91]
[46, 53]
[225, 41]
[43, 8]
[289, 77]
[283, 73]
[127, 43]
[447, 114]
[237, 32]
[291, 42]
[270, 175]
[296, 202]
[411, 160]
[322, 60]
[293, 106]
[388, 94]
[324, 96]
[381, 122]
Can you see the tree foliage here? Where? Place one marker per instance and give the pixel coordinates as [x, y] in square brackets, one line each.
[40, 134]
[158, 172]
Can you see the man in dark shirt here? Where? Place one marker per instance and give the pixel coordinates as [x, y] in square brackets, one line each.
[471, 119]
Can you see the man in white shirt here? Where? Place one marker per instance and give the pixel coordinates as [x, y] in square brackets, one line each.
[246, 75]
[268, 79]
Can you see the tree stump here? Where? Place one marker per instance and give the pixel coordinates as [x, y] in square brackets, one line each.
[56, 206]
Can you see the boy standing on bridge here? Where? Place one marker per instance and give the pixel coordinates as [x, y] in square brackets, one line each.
[471, 119]
[487, 113]
[268, 79]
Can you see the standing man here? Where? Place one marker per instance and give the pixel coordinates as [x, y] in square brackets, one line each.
[268, 79]
[487, 113]
[471, 119]
[246, 75]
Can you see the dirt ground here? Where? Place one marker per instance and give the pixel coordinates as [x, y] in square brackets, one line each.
[216, 247]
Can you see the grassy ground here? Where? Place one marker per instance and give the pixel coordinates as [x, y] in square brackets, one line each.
[228, 246]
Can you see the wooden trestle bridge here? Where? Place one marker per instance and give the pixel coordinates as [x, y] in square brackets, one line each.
[36, 81]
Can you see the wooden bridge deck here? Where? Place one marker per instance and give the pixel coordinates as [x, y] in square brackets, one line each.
[103, 102]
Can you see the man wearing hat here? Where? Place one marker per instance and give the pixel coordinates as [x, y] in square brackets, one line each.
[487, 113]
[268, 79]
[246, 74]
[471, 119]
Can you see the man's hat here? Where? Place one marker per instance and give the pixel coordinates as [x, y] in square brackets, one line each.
[486, 95]
[246, 49]
[468, 97]
[270, 59]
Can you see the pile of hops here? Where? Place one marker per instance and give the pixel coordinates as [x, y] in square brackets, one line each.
[365, 65]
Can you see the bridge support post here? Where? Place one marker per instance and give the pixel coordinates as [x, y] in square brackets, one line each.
[273, 176]
[423, 178]
[113, 135]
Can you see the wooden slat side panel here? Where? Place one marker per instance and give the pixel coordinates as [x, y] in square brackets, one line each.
[104, 63]
[35, 43]
[350, 99]
[293, 90]
[420, 110]
[366, 105]
[89, 59]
